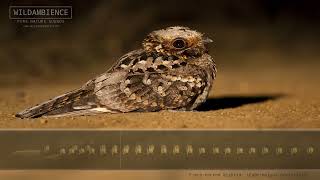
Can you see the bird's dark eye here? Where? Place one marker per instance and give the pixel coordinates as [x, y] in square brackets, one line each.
[179, 43]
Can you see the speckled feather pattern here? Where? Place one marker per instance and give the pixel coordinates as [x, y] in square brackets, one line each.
[157, 77]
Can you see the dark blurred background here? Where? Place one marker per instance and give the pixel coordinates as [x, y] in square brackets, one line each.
[245, 32]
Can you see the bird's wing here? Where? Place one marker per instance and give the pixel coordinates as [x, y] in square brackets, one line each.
[77, 102]
[150, 83]
[138, 82]
[82, 100]
[150, 92]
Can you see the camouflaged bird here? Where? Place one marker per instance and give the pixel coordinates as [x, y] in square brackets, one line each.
[173, 71]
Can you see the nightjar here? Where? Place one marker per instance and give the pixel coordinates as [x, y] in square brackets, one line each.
[172, 71]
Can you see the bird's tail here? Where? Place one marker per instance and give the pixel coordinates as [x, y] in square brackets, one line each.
[58, 105]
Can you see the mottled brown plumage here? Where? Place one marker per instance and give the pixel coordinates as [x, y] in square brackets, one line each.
[173, 71]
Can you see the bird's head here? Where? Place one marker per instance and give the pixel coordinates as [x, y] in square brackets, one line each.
[177, 41]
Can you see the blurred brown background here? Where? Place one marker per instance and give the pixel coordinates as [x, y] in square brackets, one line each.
[102, 31]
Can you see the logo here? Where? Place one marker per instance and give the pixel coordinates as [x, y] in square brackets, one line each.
[40, 16]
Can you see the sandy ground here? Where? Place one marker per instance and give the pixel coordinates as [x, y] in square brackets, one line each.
[271, 95]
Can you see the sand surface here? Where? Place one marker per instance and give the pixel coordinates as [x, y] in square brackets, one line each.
[253, 95]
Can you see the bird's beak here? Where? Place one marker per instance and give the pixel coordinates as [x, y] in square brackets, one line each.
[207, 40]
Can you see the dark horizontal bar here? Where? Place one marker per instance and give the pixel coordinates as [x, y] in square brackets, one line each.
[167, 149]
